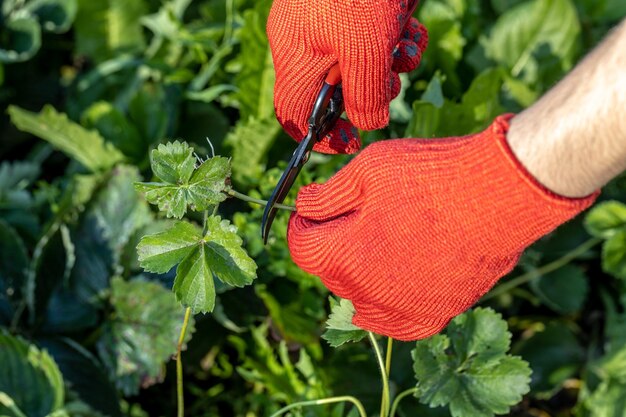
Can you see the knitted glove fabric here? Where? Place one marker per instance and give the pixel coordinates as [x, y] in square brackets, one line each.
[415, 231]
[307, 37]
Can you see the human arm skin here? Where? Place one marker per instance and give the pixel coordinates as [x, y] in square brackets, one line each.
[573, 140]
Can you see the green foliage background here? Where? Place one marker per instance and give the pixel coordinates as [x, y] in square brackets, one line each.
[89, 88]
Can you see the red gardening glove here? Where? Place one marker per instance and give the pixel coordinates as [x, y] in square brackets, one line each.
[308, 37]
[415, 231]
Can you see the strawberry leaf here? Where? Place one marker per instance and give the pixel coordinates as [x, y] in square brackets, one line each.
[173, 162]
[468, 368]
[217, 254]
[182, 184]
[339, 327]
[162, 251]
[606, 219]
[143, 336]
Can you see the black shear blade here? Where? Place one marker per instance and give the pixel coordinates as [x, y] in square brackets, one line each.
[285, 183]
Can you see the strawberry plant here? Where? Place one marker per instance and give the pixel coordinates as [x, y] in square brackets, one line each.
[133, 277]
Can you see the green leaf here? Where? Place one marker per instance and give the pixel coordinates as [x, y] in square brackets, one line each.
[608, 399]
[446, 39]
[231, 264]
[339, 327]
[13, 259]
[183, 186]
[207, 183]
[142, 336]
[151, 111]
[424, 122]
[13, 267]
[614, 255]
[290, 318]
[108, 27]
[554, 354]
[51, 265]
[115, 128]
[220, 255]
[256, 79]
[22, 39]
[173, 162]
[434, 93]
[426, 116]
[606, 219]
[273, 369]
[85, 146]
[520, 91]
[563, 290]
[128, 258]
[478, 107]
[162, 251]
[84, 375]
[468, 369]
[604, 386]
[16, 176]
[119, 210]
[30, 377]
[519, 35]
[249, 144]
[501, 6]
[193, 284]
[482, 100]
[54, 15]
[73, 303]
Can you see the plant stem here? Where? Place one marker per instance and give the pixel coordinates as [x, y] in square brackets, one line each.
[388, 356]
[384, 403]
[549, 267]
[249, 199]
[399, 398]
[8, 402]
[179, 364]
[205, 217]
[330, 400]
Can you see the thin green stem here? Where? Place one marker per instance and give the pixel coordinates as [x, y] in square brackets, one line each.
[323, 401]
[388, 356]
[8, 402]
[549, 267]
[179, 364]
[205, 217]
[384, 403]
[396, 402]
[249, 199]
[228, 26]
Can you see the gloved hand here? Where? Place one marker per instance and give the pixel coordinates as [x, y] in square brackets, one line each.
[415, 231]
[308, 37]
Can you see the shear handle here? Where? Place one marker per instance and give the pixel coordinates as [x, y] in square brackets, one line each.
[327, 109]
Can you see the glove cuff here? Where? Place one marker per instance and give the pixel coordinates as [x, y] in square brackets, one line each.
[524, 200]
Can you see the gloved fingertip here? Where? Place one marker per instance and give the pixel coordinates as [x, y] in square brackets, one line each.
[302, 241]
[370, 119]
[321, 202]
[406, 56]
[306, 202]
[344, 139]
[422, 37]
[396, 85]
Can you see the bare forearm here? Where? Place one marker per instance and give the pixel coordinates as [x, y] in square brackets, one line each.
[573, 140]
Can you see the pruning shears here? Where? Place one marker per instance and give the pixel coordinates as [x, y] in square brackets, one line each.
[327, 109]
